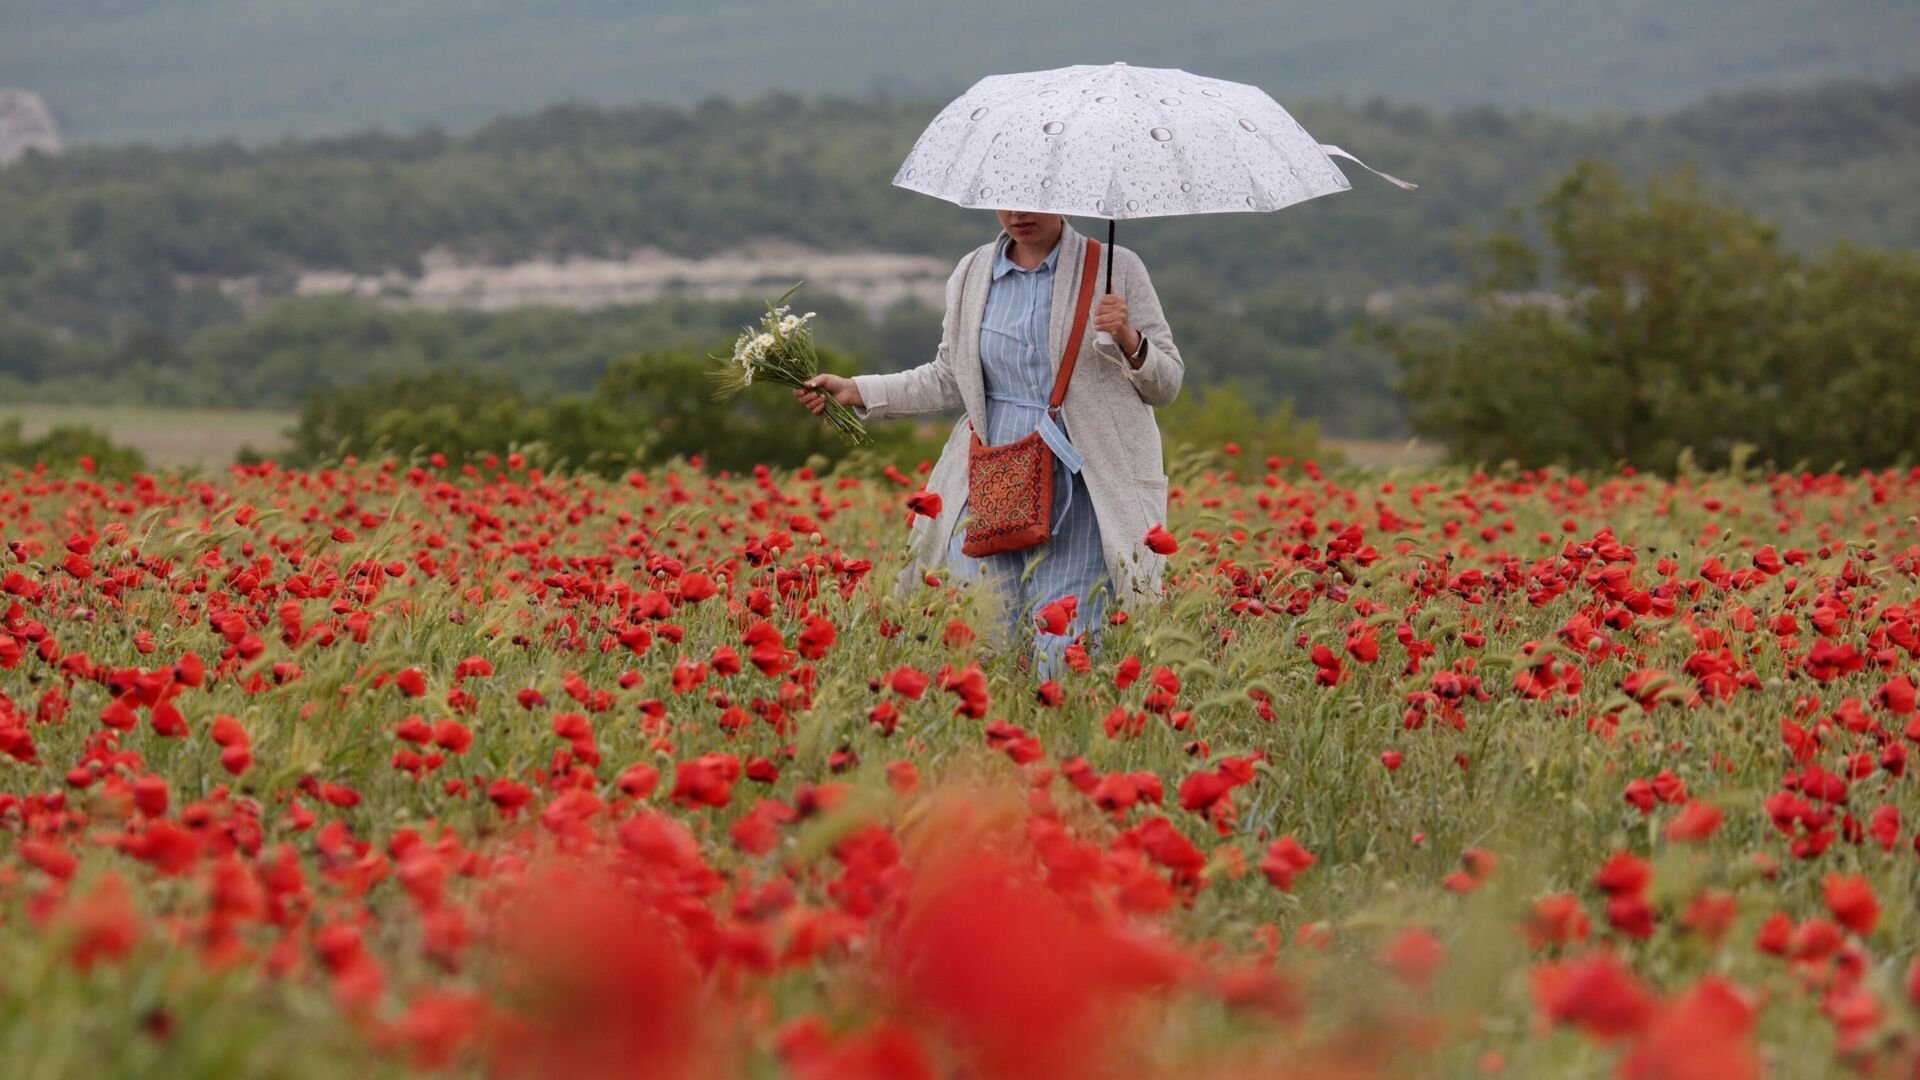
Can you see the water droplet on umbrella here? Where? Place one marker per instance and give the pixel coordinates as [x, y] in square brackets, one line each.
[1211, 93]
[1048, 93]
[1248, 125]
[1046, 182]
[1053, 127]
[1132, 205]
[1169, 101]
[1106, 99]
[908, 175]
[1161, 135]
[1185, 186]
[1249, 200]
[987, 191]
[978, 113]
[1100, 205]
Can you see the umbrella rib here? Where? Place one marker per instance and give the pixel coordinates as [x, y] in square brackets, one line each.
[979, 95]
[1229, 118]
[1070, 133]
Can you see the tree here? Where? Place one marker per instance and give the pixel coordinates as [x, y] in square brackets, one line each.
[1667, 322]
[66, 446]
[1658, 326]
[1851, 353]
[1220, 413]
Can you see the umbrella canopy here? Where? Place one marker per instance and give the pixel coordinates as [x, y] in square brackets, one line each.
[1120, 142]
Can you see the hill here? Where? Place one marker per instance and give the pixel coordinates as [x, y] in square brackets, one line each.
[167, 70]
[153, 276]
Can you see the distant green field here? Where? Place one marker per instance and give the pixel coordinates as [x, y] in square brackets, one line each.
[1385, 453]
[208, 438]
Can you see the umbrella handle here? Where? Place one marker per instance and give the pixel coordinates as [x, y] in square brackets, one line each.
[1111, 224]
[1102, 336]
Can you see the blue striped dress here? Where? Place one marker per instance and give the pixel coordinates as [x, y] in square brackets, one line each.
[1019, 378]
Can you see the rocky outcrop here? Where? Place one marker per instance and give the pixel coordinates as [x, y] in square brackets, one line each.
[874, 280]
[25, 124]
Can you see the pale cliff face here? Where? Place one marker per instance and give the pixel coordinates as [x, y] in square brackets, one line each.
[25, 124]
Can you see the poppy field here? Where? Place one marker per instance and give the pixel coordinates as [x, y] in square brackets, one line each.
[417, 767]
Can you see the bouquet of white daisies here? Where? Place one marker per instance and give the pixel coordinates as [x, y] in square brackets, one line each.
[780, 351]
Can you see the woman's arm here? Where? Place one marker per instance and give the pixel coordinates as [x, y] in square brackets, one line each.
[931, 386]
[1157, 379]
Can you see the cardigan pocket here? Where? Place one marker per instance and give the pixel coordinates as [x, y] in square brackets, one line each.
[1152, 495]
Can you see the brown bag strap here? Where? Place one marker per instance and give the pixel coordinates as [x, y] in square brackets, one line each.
[1089, 270]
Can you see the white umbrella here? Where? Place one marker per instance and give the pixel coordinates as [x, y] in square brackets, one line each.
[1116, 142]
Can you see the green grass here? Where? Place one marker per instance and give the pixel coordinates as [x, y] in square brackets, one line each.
[207, 438]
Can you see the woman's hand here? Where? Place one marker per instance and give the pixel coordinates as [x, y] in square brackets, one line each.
[838, 387]
[1111, 316]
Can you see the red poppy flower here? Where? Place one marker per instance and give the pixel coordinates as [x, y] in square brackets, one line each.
[638, 780]
[1557, 920]
[1707, 1033]
[102, 923]
[412, 682]
[1623, 875]
[1850, 898]
[1897, 695]
[706, 780]
[1415, 957]
[1283, 861]
[1057, 616]
[1476, 868]
[1328, 669]
[1711, 915]
[925, 503]
[1595, 993]
[970, 686]
[1696, 821]
[509, 795]
[695, 587]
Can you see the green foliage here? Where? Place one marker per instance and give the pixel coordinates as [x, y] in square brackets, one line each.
[1848, 356]
[123, 270]
[647, 408]
[295, 345]
[672, 396]
[1664, 322]
[65, 447]
[455, 412]
[1216, 415]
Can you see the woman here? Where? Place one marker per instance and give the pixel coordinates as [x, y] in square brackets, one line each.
[1009, 311]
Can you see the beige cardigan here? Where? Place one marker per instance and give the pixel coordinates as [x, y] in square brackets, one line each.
[1108, 411]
